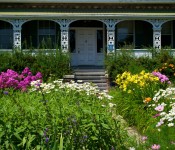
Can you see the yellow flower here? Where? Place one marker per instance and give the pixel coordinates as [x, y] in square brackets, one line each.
[129, 91]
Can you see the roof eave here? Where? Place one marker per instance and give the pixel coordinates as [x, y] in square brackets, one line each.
[92, 1]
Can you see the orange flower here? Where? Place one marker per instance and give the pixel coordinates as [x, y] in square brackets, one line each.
[147, 100]
[171, 65]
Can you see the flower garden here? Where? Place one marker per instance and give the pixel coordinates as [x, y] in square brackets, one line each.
[41, 112]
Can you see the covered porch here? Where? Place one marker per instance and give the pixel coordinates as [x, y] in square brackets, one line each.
[87, 31]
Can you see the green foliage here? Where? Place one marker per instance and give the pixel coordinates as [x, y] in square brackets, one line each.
[52, 64]
[117, 63]
[58, 120]
[124, 60]
[140, 116]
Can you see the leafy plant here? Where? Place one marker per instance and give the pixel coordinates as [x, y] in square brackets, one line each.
[59, 115]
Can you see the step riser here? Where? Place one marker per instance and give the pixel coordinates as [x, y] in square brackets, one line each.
[95, 76]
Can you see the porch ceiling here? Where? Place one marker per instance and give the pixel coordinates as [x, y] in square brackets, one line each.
[76, 15]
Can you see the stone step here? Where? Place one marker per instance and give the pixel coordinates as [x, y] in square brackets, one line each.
[89, 77]
[96, 76]
[90, 73]
[95, 81]
[89, 70]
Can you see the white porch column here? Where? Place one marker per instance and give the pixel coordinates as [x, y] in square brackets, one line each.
[156, 23]
[65, 39]
[110, 40]
[64, 26]
[110, 23]
[157, 38]
[17, 26]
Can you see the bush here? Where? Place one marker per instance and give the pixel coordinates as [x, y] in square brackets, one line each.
[51, 64]
[59, 115]
[124, 60]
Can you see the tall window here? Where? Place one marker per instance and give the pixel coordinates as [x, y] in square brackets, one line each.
[134, 35]
[40, 34]
[6, 35]
[166, 35]
[143, 35]
[46, 34]
[124, 34]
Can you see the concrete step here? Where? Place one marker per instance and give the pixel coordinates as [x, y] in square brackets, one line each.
[89, 77]
[90, 73]
[96, 76]
[95, 81]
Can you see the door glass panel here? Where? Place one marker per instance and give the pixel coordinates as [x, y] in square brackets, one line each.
[99, 41]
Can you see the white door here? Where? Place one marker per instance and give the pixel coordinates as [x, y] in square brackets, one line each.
[86, 46]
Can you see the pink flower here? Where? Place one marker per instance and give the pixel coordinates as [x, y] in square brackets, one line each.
[159, 123]
[156, 115]
[155, 147]
[144, 138]
[11, 79]
[159, 108]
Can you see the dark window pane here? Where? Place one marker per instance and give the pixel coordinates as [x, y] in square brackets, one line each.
[166, 35]
[40, 34]
[166, 41]
[72, 41]
[46, 41]
[6, 35]
[174, 34]
[124, 40]
[124, 34]
[99, 41]
[143, 35]
[29, 35]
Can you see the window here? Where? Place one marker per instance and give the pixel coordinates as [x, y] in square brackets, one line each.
[40, 34]
[143, 35]
[124, 34]
[134, 34]
[166, 35]
[6, 35]
[46, 34]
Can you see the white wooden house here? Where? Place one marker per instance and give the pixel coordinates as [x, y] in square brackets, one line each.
[87, 28]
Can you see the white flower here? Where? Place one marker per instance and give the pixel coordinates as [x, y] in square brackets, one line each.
[111, 105]
[132, 148]
[159, 129]
[170, 124]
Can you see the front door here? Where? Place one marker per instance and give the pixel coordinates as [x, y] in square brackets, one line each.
[86, 46]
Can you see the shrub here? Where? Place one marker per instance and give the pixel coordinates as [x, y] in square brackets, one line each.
[51, 64]
[168, 69]
[59, 115]
[117, 63]
[139, 85]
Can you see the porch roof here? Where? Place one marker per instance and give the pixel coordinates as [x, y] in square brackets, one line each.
[87, 1]
[86, 15]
